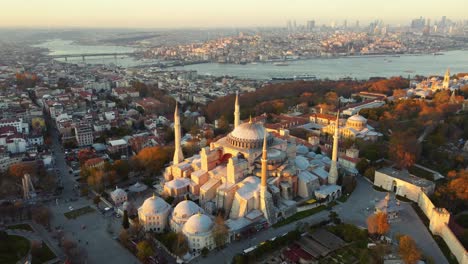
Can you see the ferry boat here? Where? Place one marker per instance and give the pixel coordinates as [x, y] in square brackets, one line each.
[304, 77]
[281, 64]
[282, 79]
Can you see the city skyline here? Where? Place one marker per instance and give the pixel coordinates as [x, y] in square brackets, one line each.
[212, 14]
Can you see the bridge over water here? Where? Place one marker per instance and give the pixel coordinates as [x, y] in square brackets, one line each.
[84, 55]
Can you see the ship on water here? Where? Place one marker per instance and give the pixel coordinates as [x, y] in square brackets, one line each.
[282, 63]
[304, 77]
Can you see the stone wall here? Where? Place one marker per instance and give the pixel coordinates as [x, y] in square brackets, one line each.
[439, 218]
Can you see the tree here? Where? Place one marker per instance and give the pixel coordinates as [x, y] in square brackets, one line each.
[377, 224]
[458, 184]
[144, 250]
[404, 149]
[19, 169]
[180, 245]
[333, 216]
[370, 173]
[408, 250]
[152, 159]
[42, 215]
[362, 165]
[125, 222]
[220, 231]
[97, 200]
[124, 238]
[204, 251]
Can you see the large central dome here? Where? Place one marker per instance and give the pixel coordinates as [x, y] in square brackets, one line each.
[248, 135]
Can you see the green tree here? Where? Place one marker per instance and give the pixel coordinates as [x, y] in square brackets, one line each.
[220, 232]
[125, 221]
[144, 251]
[180, 245]
[362, 165]
[97, 200]
[204, 252]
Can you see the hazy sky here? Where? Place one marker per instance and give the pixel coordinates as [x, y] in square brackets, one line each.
[220, 13]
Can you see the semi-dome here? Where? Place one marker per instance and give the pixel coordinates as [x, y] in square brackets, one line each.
[248, 135]
[185, 209]
[154, 205]
[198, 224]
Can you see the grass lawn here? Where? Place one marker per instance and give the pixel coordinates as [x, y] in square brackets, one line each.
[300, 215]
[26, 227]
[343, 255]
[79, 212]
[42, 255]
[13, 248]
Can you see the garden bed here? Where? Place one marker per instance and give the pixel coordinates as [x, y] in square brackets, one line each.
[300, 215]
[79, 212]
[25, 227]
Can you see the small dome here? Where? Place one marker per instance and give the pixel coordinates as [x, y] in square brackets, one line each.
[118, 192]
[198, 224]
[186, 209]
[301, 149]
[154, 205]
[357, 118]
[301, 162]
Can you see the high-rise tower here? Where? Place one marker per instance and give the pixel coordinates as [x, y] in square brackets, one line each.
[333, 173]
[178, 155]
[236, 111]
[266, 199]
[446, 83]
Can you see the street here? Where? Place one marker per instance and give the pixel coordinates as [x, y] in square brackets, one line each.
[99, 244]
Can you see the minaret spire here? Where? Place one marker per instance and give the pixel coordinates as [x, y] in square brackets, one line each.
[266, 199]
[333, 173]
[236, 111]
[178, 155]
[264, 161]
[446, 82]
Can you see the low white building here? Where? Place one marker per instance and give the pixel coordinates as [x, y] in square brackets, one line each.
[181, 213]
[199, 232]
[402, 183]
[154, 214]
[119, 196]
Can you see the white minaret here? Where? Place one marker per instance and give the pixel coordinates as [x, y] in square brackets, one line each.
[333, 173]
[236, 111]
[178, 155]
[446, 82]
[266, 199]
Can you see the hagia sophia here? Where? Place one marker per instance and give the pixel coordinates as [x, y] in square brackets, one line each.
[251, 175]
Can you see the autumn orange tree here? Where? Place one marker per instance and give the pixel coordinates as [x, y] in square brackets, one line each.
[151, 160]
[453, 195]
[408, 250]
[19, 169]
[377, 224]
[404, 149]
